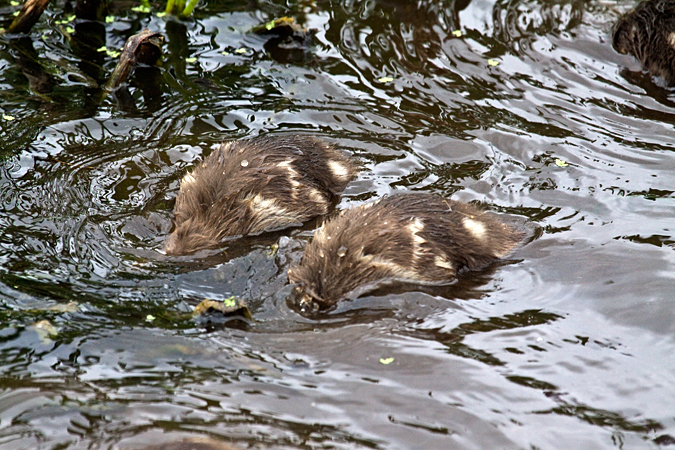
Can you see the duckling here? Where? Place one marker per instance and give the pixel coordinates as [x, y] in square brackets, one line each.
[192, 444]
[420, 238]
[648, 33]
[256, 185]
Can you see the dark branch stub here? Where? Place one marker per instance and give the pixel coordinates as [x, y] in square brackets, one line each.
[144, 48]
[28, 16]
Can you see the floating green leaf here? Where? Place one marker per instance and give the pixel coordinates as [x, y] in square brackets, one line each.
[16, 13]
[190, 60]
[269, 25]
[457, 33]
[8, 118]
[273, 250]
[65, 21]
[240, 50]
[150, 318]
[560, 163]
[386, 361]
[70, 30]
[111, 53]
[109, 19]
[385, 79]
[224, 53]
[493, 62]
[141, 9]
[161, 14]
[231, 306]
[14, 3]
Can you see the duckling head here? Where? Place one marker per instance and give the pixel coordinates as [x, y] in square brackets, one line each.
[344, 259]
[191, 236]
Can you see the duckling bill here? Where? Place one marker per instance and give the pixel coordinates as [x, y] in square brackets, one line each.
[419, 238]
[256, 185]
[648, 33]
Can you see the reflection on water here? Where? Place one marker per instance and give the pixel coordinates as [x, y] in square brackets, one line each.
[521, 106]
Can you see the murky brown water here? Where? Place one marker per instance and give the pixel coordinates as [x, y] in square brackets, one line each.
[569, 345]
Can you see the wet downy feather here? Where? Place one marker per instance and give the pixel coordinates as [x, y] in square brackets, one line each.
[256, 185]
[648, 33]
[419, 238]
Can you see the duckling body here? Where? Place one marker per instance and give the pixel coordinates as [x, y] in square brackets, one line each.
[412, 237]
[256, 185]
[648, 33]
[192, 444]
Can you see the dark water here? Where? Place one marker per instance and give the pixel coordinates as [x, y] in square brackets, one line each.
[568, 345]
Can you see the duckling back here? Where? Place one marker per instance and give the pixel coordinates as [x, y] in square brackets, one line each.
[648, 33]
[256, 185]
[411, 237]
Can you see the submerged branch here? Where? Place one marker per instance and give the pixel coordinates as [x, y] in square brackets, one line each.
[144, 48]
[28, 16]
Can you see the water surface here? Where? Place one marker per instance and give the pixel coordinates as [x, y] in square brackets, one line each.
[569, 344]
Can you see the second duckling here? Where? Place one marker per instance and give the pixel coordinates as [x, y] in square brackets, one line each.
[420, 238]
[648, 33]
[255, 185]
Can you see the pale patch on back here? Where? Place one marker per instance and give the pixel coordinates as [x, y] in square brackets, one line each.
[316, 196]
[260, 204]
[268, 214]
[339, 170]
[444, 263]
[476, 228]
[415, 227]
[671, 40]
[292, 175]
[287, 166]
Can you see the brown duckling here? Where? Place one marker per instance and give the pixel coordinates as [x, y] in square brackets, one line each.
[192, 444]
[421, 238]
[255, 185]
[648, 33]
